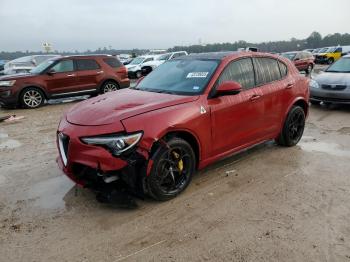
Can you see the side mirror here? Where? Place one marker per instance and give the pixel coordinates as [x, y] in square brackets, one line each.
[228, 88]
[51, 72]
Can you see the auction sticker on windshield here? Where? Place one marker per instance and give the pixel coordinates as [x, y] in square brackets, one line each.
[197, 75]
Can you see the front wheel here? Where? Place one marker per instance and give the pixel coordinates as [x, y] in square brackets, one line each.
[172, 170]
[293, 127]
[32, 98]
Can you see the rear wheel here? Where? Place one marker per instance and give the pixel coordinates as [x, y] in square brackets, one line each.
[330, 60]
[32, 98]
[172, 170]
[293, 127]
[109, 86]
[138, 74]
[309, 69]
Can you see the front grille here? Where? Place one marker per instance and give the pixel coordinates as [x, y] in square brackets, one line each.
[331, 99]
[334, 87]
[63, 143]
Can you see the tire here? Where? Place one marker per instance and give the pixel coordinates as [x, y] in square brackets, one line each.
[309, 69]
[314, 102]
[172, 170]
[293, 127]
[32, 98]
[109, 86]
[330, 60]
[138, 74]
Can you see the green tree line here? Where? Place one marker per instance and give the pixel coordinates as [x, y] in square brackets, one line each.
[315, 40]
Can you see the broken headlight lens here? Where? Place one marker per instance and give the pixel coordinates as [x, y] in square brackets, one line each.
[116, 144]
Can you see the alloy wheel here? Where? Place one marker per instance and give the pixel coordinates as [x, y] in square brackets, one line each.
[32, 98]
[296, 126]
[109, 87]
[174, 169]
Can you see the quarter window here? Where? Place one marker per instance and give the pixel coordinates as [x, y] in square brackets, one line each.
[86, 64]
[63, 66]
[112, 62]
[267, 70]
[283, 69]
[241, 71]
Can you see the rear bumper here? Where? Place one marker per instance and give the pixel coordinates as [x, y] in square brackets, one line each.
[125, 83]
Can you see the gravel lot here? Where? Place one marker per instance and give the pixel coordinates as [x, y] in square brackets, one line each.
[267, 204]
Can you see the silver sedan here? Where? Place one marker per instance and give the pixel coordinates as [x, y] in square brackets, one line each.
[333, 85]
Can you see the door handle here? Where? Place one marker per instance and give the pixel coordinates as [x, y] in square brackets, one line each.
[254, 97]
[289, 86]
[99, 72]
[70, 75]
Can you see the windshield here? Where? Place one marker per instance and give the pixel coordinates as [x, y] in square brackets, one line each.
[137, 61]
[290, 56]
[164, 57]
[40, 68]
[330, 50]
[323, 50]
[341, 66]
[182, 77]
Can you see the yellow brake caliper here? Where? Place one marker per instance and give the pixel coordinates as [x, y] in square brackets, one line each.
[180, 163]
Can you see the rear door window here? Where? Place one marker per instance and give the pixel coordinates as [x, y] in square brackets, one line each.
[266, 70]
[112, 62]
[241, 71]
[86, 64]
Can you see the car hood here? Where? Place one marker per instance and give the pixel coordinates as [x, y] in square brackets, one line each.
[16, 76]
[119, 105]
[329, 78]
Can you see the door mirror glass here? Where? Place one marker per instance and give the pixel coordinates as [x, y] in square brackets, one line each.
[228, 88]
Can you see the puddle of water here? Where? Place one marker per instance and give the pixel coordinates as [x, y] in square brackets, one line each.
[49, 194]
[312, 145]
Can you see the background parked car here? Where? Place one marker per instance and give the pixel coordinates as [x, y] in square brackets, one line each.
[63, 77]
[125, 58]
[25, 64]
[2, 63]
[303, 60]
[333, 85]
[151, 65]
[135, 66]
[332, 54]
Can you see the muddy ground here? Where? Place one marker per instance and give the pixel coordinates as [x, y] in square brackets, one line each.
[267, 204]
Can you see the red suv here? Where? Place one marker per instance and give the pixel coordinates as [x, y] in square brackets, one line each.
[63, 77]
[187, 114]
[302, 60]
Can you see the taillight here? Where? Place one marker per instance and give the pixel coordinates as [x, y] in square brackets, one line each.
[122, 71]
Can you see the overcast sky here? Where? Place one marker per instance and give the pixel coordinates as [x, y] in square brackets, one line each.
[124, 24]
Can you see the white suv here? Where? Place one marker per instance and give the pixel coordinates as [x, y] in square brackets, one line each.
[150, 66]
[25, 64]
[134, 67]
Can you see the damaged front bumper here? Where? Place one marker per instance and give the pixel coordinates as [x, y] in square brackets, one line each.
[95, 167]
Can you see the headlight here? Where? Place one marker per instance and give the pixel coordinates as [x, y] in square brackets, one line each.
[314, 84]
[116, 144]
[7, 83]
